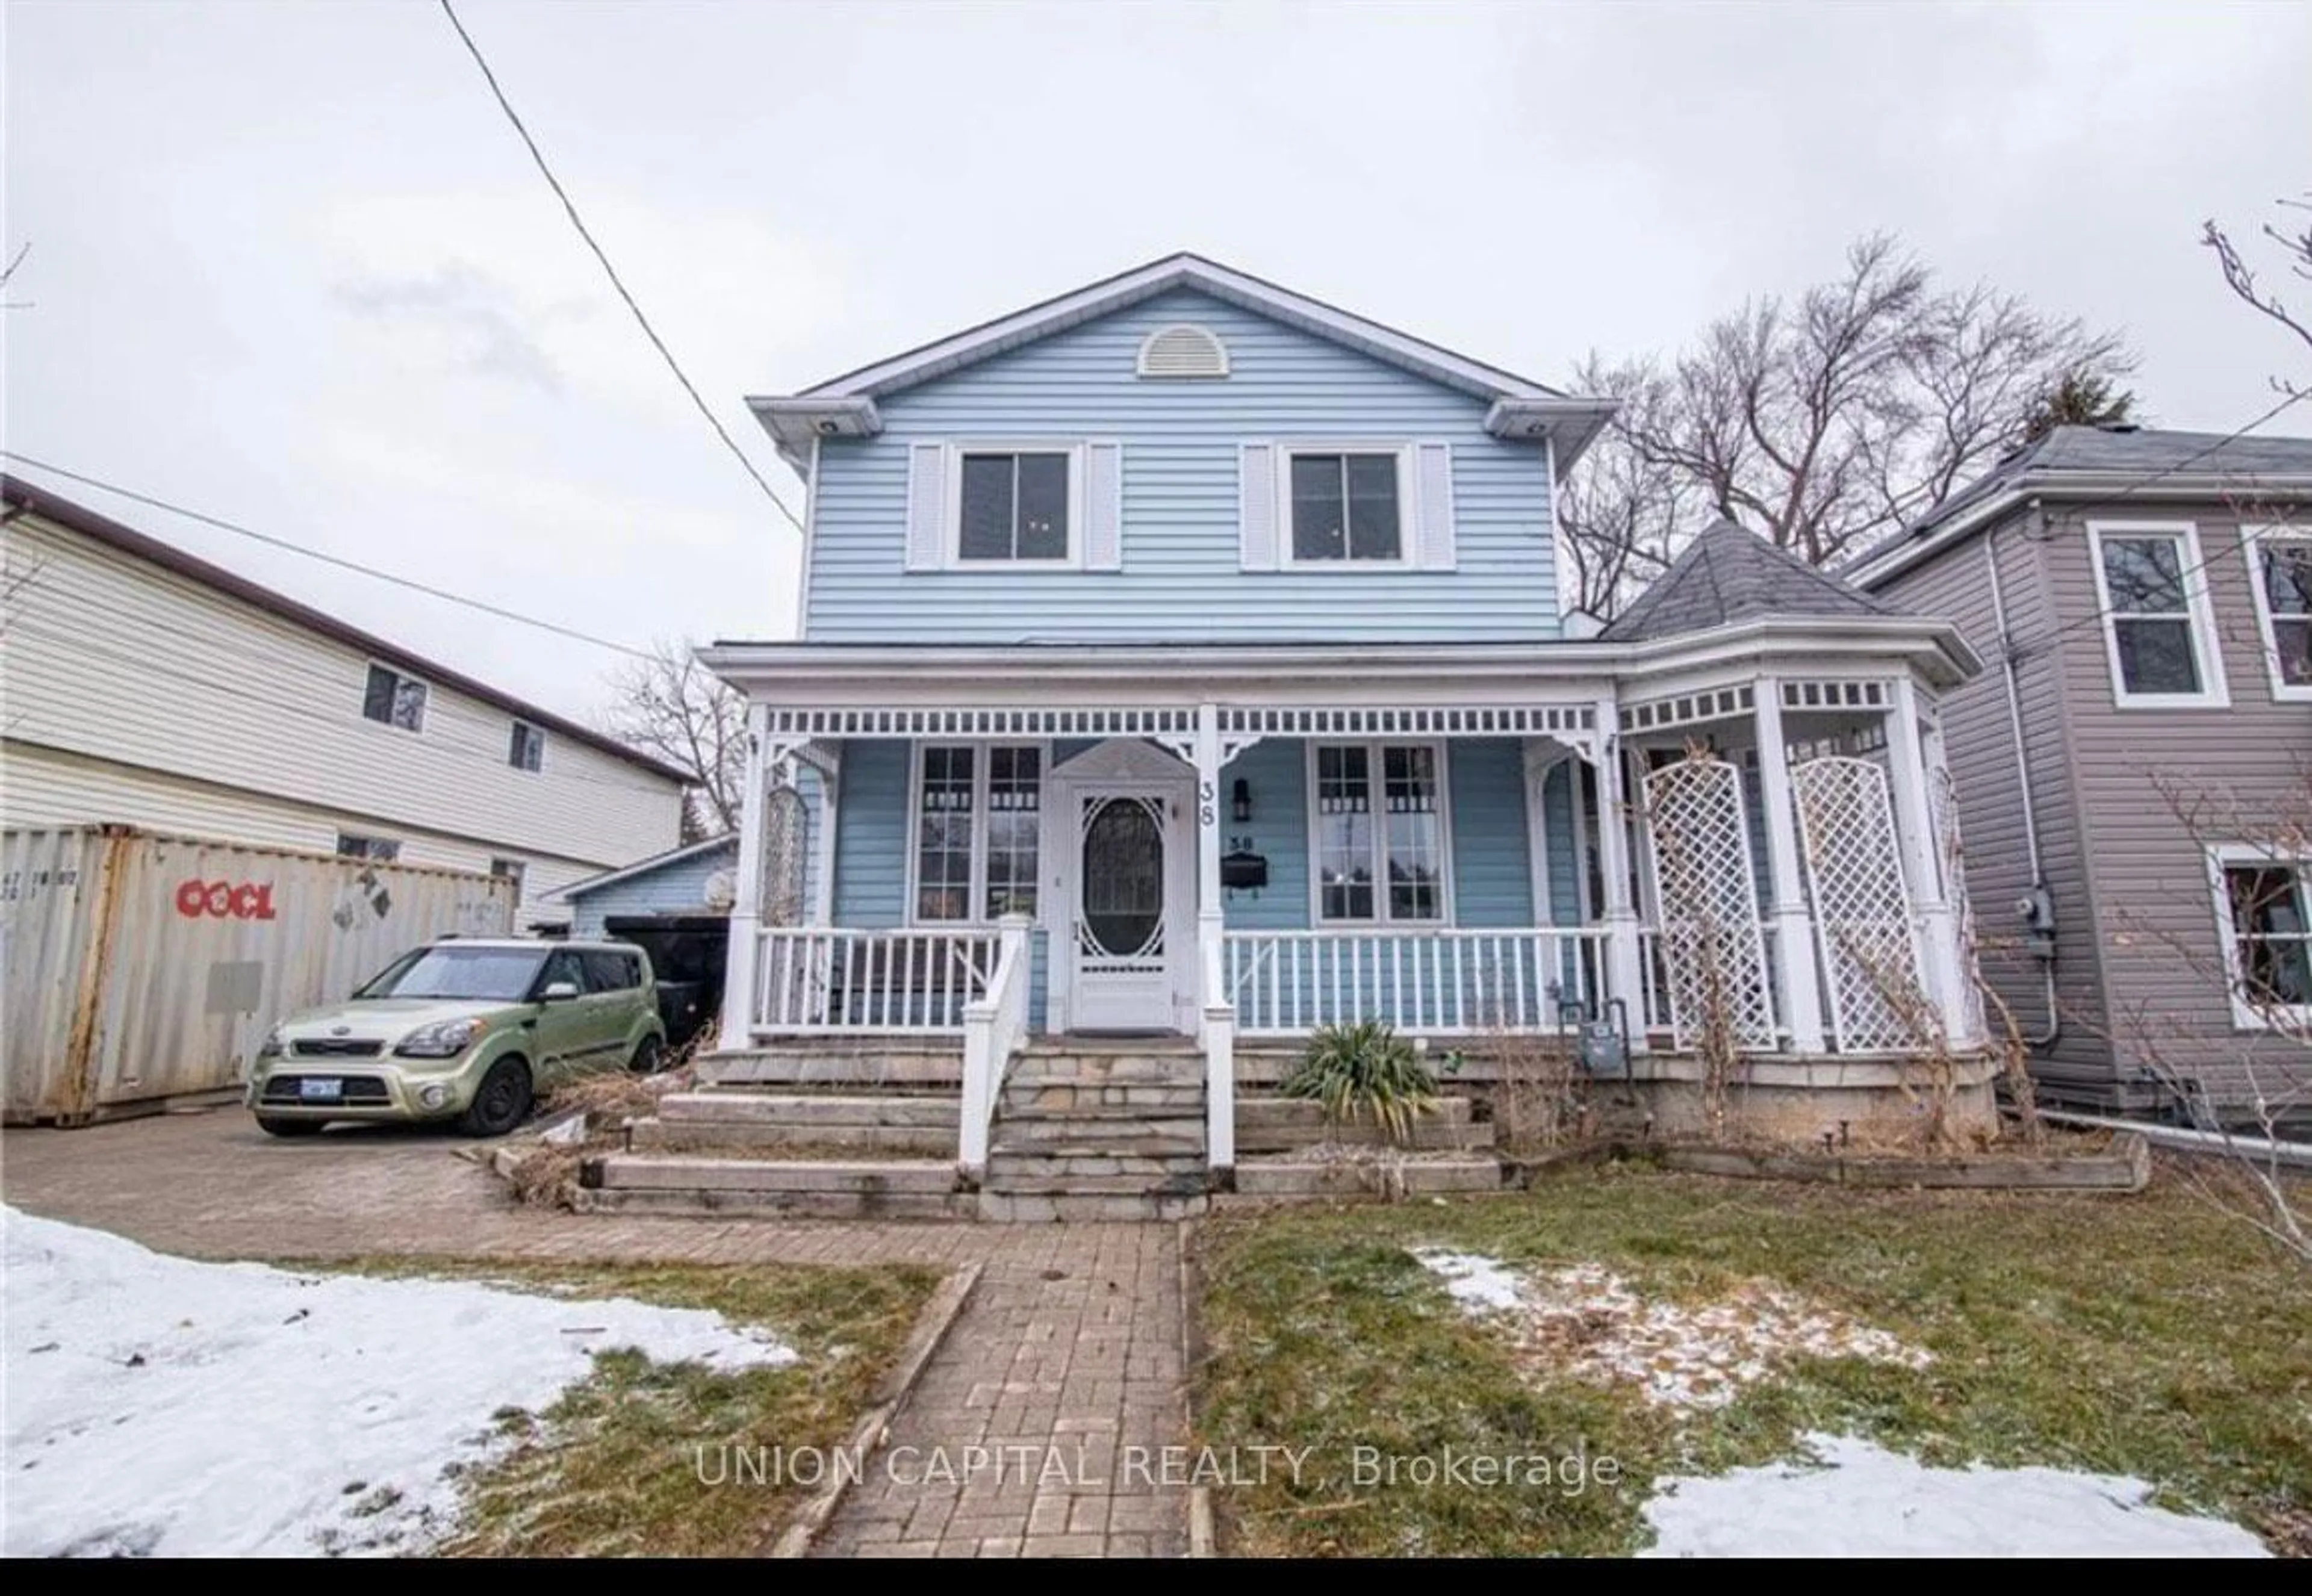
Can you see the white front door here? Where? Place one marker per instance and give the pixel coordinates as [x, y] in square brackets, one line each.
[1126, 924]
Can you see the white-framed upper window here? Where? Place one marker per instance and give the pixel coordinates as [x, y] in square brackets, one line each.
[1378, 839]
[2264, 915]
[2280, 570]
[1344, 507]
[976, 842]
[1016, 504]
[355, 845]
[511, 870]
[2159, 628]
[526, 746]
[393, 698]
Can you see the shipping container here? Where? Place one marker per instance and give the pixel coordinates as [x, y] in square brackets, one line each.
[140, 967]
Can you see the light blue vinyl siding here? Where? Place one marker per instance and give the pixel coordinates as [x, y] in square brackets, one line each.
[1563, 853]
[1276, 774]
[1181, 578]
[678, 887]
[1493, 857]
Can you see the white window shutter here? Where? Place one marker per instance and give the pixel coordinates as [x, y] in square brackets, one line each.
[1103, 499]
[926, 506]
[1432, 507]
[1257, 506]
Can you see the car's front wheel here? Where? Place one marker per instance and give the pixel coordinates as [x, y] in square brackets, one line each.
[502, 1102]
[272, 1126]
[650, 1057]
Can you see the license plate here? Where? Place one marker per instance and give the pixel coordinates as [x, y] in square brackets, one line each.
[329, 1088]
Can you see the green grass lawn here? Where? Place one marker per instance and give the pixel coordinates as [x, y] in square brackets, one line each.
[611, 1470]
[2143, 1334]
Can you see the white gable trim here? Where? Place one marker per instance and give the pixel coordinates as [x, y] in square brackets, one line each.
[625, 873]
[1176, 271]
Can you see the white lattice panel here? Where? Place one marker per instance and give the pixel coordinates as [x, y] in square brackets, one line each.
[784, 822]
[1861, 914]
[1712, 947]
[1943, 794]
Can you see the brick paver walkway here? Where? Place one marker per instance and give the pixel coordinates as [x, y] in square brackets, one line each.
[1032, 1431]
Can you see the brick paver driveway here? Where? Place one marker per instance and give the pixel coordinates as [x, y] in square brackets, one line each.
[1064, 1368]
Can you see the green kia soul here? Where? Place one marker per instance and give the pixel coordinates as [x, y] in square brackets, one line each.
[460, 1030]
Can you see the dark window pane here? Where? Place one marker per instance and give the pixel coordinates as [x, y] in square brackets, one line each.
[987, 506]
[2287, 577]
[2145, 575]
[1043, 507]
[2156, 656]
[377, 696]
[608, 972]
[526, 751]
[1319, 512]
[2292, 641]
[1373, 533]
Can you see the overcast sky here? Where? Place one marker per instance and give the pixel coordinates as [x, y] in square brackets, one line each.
[289, 266]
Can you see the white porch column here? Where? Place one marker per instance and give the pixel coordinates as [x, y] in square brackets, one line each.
[1217, 1028]
[1625, 958]
[747, 901]
[1939, 959]
[1794, 942]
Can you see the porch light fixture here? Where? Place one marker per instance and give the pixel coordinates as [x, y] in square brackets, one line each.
[1240, 801]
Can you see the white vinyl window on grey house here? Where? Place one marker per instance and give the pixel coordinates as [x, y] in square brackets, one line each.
[392, 699]
[2159, 629]
[979, 819]
[382, 850]
[1013, 507]
[526, 746]
[2265, 905]
[1346, 506]
[2280, 567]
[1377, 829]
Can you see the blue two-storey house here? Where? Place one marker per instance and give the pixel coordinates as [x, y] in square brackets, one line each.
[1183, 656]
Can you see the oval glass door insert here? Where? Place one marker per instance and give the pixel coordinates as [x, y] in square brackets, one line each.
[1124, 878]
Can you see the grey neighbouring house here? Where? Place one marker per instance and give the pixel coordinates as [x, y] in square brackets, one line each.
[2134, 768]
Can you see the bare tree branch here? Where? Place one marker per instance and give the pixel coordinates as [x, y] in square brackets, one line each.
[1823, 422]
[2295, 253]
[670, 705]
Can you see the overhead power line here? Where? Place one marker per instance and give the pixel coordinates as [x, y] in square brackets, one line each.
[570, 209]
[343, 563]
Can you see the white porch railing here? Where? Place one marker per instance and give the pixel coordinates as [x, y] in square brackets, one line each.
[1440, 982]
[818, 979]
[995, 1027]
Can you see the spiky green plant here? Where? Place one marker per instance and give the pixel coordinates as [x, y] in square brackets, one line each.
[1365, 1068]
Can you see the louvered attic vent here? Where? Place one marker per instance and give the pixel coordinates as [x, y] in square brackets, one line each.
[1183, 351]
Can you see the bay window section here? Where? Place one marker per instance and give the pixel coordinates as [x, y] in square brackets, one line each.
[979, 819]
[1379, 834]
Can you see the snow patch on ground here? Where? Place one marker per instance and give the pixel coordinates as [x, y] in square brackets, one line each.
[1588, 1322]
[1861, 1500]
[158, 1405]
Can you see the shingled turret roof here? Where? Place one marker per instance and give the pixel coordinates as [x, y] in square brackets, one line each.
[1729, 573]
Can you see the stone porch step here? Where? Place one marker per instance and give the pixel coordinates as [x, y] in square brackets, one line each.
[1042, 1069]
[1098, 1101]
[1284, 1125]
[1071, 1138]
[1084, 1209]
[1014, 1171]
[840, 1064]
[674, 1182]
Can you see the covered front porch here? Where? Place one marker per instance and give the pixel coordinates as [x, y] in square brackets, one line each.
[1740, 836]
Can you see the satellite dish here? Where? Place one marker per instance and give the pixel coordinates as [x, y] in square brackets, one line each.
[721, 890]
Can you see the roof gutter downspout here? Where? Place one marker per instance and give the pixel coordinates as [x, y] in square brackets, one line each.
[2008, 671]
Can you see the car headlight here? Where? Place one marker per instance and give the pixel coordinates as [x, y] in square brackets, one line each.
[272, 1047]
[444, 1038]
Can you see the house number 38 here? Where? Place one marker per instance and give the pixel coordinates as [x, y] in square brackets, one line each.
[1207, 810]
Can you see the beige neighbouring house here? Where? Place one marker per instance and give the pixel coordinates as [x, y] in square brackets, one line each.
[148, 688]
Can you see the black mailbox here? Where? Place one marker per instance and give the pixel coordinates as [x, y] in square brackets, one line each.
[1239, 871]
